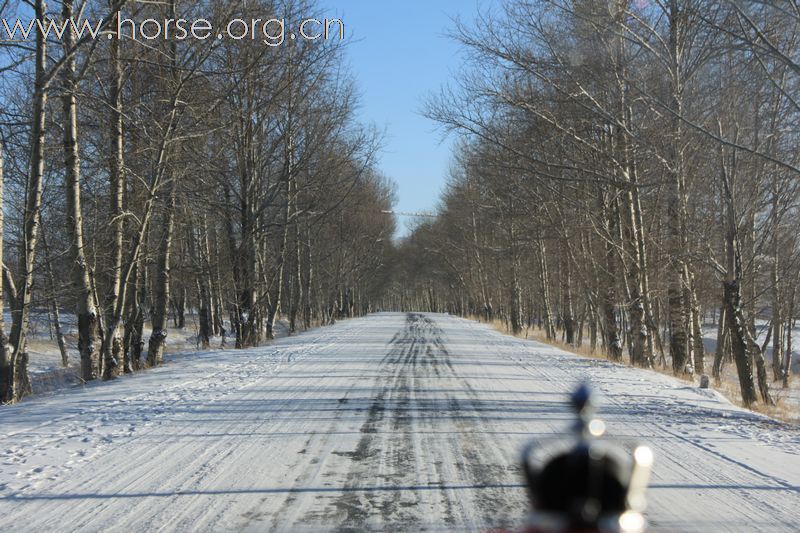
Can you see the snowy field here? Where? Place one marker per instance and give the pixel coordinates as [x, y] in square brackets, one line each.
[48, 373]
[789, 398]
[390, 422]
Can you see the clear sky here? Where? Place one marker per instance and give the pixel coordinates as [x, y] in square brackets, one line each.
[399, 53]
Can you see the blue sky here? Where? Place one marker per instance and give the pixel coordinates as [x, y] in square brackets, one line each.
[399, 54]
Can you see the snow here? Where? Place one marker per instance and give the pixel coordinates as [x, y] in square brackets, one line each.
[389, 422]
[48, 374]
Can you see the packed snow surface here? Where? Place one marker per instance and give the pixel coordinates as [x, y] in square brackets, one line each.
[391, 422]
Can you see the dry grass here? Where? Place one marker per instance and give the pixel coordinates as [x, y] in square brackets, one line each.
[782, 410]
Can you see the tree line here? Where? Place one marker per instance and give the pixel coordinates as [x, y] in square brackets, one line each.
[143, 180]
[624, 173]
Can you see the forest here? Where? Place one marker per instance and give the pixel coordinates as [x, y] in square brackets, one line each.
[144, 180]
[625, 173]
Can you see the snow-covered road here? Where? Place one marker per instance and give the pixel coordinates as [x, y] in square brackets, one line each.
[391, 422]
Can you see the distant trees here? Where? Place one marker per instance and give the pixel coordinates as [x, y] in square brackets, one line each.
[626, 170]
[224, 177]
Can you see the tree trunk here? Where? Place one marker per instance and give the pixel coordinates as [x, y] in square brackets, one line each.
[6, 381]
[744, 365]
[737, 326]
[308, 279]
[81, 283]
[204, 333]
[515, 302]
[678, 306]
[608, 289]
[636, 310]
[679, 339]
[158, 337]
[295, 281]
[777, 319]
[31, 218]
[214, 281]
[632, 250]
[787, 359]
[697, 330]
[653, 336]
[54, 312]
[113, 348]
[568, 308]
[198, 243]
[297, 285]
[134, 316]
[179, 308]
[244, 276]
[761, 372]
[721, 353]
[544, 283]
